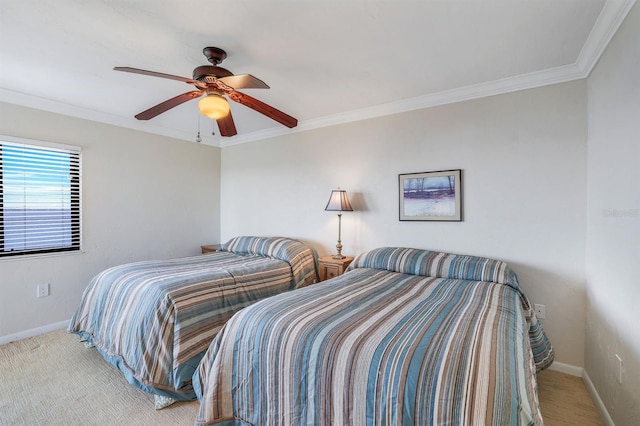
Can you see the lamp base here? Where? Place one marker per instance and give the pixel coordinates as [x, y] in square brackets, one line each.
[339, 250]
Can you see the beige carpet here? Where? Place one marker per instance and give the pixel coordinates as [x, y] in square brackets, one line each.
[54, 380]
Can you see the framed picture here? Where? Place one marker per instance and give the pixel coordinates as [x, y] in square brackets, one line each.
[431, 195]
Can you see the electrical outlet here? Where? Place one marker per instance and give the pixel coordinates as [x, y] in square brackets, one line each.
[541, 311]
[619, 375]
[42, 290]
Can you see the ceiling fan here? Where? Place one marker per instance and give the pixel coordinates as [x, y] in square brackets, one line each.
[214, 81]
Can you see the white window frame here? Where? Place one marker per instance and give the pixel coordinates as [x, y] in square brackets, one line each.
[76, 201]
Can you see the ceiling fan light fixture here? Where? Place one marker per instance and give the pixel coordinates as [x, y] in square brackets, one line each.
[214, 106]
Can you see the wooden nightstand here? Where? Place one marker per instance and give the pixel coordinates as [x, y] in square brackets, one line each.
[329, 267]
[210, 248]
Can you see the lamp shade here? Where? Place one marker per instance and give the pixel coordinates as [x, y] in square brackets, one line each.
[214, 106]
[339, 202]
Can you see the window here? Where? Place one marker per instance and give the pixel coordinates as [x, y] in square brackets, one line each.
[39, 197]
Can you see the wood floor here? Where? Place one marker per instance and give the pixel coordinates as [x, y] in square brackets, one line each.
[564, 400]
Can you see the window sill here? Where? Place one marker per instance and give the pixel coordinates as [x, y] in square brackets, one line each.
[40, 255]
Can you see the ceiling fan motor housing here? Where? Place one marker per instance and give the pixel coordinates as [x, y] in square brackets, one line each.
[215, 55]
[209, 70]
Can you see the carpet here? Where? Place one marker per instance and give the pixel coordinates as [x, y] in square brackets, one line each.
[53, 379]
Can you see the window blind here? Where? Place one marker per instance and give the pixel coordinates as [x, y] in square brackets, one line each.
[39, 199]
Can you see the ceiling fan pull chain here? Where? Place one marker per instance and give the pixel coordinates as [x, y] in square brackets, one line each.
[198, 138]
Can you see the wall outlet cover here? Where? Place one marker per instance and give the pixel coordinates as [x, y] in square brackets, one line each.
[42, 290]
[541, 311]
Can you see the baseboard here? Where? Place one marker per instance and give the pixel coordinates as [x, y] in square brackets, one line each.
[606, 418]
[33, 332]
[567, 369]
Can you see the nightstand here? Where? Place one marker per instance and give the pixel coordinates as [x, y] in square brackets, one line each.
[210, 248]
[329, 267]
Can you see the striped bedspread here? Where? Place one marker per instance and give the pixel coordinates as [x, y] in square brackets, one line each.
[155, 319]
[405, 337]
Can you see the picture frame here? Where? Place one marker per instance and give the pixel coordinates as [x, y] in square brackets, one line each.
[431, 196]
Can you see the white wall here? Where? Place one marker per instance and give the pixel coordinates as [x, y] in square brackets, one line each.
[613, 224]
[523, 157]
[144, 197]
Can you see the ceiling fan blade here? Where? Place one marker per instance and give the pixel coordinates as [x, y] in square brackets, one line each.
[244, 81]
[262, 108]
[168, 104]
[226, 125]
[154, 74]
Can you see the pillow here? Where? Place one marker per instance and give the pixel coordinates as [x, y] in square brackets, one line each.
[436, 264]
[297, 254]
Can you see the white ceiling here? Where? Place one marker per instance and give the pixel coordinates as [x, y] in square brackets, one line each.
[327, 62]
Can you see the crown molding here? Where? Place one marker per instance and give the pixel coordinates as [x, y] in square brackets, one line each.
[611, 17]
[44, 104]
[609, 20]
[476, 91]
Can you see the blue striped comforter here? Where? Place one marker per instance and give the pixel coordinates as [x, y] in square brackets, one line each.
[155, 319]
[405, 337]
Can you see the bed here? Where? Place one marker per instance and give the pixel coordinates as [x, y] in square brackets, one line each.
[404, 337]
[154, 320]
